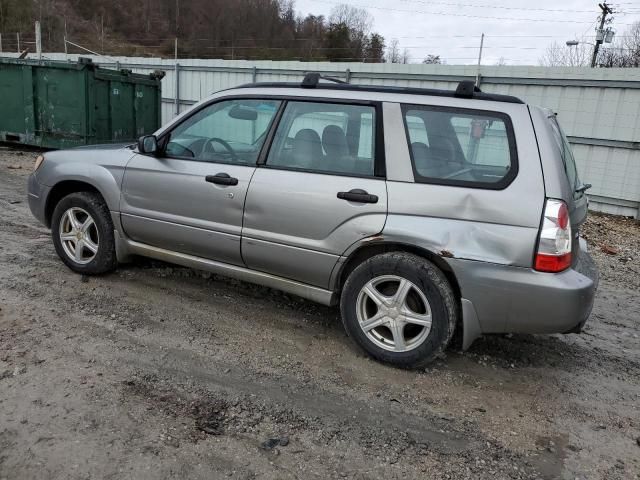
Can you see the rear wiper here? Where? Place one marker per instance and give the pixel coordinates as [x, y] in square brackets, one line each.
[583, 188]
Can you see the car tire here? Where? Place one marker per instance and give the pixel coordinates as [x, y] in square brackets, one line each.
[82, 233]
[400, 309]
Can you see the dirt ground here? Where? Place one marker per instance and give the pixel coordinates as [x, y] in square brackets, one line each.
[158, 371]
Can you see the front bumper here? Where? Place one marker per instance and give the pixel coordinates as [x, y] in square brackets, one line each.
[37, 196]
[510, 299]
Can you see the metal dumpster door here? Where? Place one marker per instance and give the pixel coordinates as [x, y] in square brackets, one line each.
[122, 111]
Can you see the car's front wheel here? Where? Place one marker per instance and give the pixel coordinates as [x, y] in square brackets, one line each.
[82, 233]
[399, 308]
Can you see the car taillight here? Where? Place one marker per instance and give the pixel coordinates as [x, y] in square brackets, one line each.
[554, 245]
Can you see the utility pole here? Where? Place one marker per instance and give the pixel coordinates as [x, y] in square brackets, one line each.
[177, 15]
[38, 40]
[0, 43]
[479, 61]
[66, 53]
[18, 37]
[177, 74]
[102, 33]
[233, 57]
[606, 10]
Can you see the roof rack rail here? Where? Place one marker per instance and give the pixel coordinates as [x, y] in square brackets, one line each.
[466, 89]
[312, 79]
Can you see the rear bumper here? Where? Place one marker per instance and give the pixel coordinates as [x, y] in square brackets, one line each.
[37, 196]
[510, 299]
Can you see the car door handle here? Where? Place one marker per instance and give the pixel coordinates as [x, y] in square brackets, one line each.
[358, 195]
[221, 179]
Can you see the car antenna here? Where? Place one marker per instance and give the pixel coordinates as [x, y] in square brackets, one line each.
[312, 79]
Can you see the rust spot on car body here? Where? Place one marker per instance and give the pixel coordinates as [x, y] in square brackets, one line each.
[446, 253]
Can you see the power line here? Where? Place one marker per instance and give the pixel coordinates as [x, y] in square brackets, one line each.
[318, 39]
[500, 7]
[253, 47]
[448, 14]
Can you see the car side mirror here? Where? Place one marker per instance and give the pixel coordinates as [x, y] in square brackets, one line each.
[148, 144]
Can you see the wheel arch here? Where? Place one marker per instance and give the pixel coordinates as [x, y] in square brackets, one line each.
[364, 252]
[64, 188]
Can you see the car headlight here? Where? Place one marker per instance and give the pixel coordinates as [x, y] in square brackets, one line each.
[39, 160]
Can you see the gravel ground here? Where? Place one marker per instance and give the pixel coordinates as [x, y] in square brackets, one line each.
[615, 244]
[157, 371]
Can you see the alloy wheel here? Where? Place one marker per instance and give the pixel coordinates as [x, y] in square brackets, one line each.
[79, 235]
[393, 313]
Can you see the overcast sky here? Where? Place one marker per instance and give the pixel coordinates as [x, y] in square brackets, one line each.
[517, 30]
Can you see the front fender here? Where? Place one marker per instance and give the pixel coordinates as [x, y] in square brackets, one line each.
[106, 181]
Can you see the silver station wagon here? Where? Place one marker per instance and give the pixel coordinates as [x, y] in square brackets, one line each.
[422, 213]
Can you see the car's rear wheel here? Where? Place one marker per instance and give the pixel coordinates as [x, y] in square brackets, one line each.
[399, 308]
[82, 233]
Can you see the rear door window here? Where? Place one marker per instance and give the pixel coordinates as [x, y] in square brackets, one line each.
[462, 147]
[325, 138]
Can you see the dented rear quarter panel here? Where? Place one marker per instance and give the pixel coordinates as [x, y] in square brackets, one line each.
[488, 237]
[496, 226]
[469, 228]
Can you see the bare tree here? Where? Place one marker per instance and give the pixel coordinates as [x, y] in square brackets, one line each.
[375, 49]
[624, 52]
[356, 19]
[632, 44]
[395, 55]
[432, 60]
[557, 55]
[405, 57]
[632, 38]
[501, 62]
[393, 52]
[357, 23]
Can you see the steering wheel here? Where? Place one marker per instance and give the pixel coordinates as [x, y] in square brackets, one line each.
[222, 142]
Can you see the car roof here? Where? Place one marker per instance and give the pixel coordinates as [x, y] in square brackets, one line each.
[465, 90]
[466, 96]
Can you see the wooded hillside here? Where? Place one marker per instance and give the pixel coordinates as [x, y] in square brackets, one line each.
[239, 29]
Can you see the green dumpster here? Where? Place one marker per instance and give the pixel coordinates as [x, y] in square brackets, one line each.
[60, 104]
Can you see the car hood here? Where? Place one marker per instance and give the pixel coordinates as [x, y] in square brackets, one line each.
[105, 146]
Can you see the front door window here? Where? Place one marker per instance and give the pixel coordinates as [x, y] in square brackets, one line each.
[230, 131]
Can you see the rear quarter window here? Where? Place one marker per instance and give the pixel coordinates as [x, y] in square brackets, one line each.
[568, 160]
[461, 147]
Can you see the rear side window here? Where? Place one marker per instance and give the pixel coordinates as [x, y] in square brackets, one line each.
[567, 155]
[471, 148]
